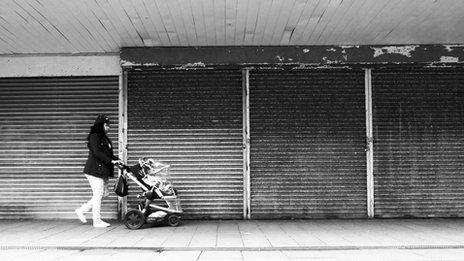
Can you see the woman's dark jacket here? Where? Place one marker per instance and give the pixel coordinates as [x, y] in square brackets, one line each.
[100, 156]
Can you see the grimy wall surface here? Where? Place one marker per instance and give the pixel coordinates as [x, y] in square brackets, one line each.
[307, 130]
[418, 142]
[289, 108]
[192, 120]
[417, 119]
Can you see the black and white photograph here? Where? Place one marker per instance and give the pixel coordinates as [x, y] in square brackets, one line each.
[231, 130]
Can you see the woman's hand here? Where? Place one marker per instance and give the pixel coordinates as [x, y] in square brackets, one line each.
[117, 162]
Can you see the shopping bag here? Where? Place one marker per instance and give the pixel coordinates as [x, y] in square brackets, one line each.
[120, 187]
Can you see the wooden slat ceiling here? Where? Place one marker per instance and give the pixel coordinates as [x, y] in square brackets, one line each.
[104, 26]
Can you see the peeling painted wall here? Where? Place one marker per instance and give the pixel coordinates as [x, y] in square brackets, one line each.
[292, 55]
[401, 50]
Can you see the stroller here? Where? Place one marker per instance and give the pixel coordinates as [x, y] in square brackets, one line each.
[153, 178]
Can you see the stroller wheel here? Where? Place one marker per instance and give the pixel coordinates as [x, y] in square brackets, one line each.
[134, 219]
[173, 220]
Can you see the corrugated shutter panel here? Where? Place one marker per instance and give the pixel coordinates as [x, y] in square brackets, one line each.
[307, 144]
[44, 123]
[193, 121]
[419, 142]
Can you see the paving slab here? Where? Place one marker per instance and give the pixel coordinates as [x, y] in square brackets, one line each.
[237, 235]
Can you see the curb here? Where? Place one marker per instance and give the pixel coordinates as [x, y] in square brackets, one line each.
[251, 249]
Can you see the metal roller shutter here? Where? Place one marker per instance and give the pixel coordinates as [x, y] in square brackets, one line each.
[307, 132]
[44, 123]
[191, 119]
[419, 142]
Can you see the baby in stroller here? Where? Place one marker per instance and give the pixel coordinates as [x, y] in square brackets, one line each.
[153, 174]
[153, 177]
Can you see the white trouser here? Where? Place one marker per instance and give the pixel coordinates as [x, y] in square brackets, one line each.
[99, 191]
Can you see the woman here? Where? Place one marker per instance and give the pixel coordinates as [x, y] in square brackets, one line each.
[98, 168]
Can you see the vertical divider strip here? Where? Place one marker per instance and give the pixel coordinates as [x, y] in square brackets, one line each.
[369, 143]
[246, 144]
[122, 201]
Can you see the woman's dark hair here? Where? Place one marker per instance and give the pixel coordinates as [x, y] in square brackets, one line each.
[98, 128]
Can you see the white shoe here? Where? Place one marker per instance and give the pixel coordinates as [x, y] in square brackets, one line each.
[80, 215]
[100, 223]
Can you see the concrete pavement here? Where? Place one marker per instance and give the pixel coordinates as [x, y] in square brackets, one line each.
[237, 235]
[295, 255]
